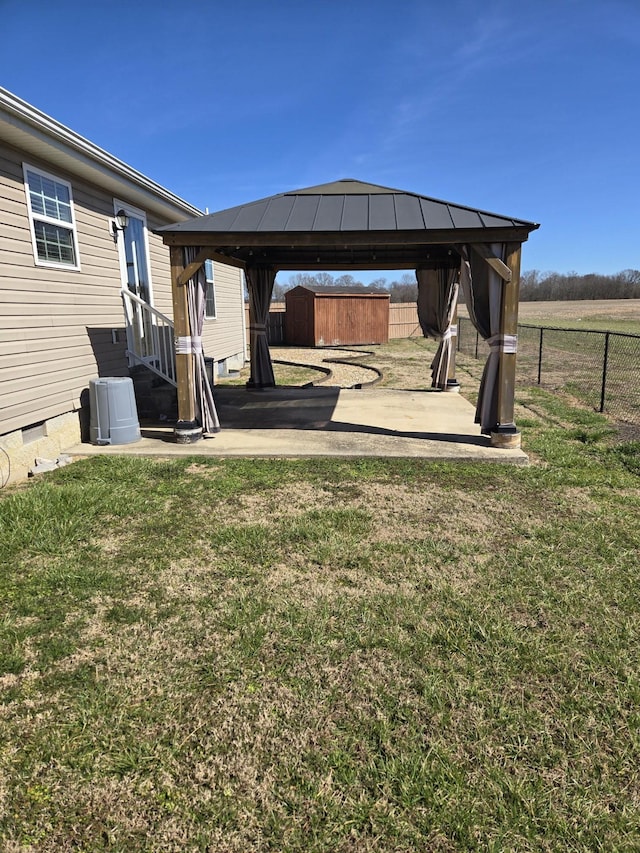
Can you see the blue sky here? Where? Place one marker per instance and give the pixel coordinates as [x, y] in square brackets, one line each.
[528, 109]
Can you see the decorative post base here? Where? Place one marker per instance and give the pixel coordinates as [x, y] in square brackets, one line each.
[453, 386]
[506, 437]
[187, 432]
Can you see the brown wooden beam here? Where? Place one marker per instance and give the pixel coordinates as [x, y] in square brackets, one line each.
[344, 239]
[191, 269]
[208, 255]
[506, 434]
[226, 259]
[406, 263]
[187, 429]
[362, 258]
[495, 263]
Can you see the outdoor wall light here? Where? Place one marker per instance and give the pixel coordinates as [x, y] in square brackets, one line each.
[119, 223]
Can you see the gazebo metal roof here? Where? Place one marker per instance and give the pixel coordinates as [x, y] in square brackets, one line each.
[344, 224]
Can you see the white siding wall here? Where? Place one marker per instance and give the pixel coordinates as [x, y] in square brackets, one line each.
[223, 337]
[56, 325]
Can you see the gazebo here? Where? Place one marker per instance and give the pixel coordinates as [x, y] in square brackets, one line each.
[349, 224]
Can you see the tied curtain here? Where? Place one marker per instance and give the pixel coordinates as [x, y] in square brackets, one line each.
[437, 301]
[196, 298]
[483, 295]
[260, 282]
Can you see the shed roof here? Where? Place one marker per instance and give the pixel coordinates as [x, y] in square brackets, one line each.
[341, 290]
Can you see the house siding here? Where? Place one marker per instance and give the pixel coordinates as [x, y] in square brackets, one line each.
[55, 331]
[56, 325]
[223, 338]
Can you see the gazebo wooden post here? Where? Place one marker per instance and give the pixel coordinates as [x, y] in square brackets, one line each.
[187, 429]
[506, 433]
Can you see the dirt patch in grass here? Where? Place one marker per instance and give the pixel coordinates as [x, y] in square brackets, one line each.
[326, 583]
[400, 510]
[201, 470]
[289, 501]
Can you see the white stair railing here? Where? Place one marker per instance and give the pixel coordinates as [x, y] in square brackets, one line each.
[150, 337]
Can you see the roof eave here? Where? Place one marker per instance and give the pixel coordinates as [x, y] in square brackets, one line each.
[40, 136]
[179, 237]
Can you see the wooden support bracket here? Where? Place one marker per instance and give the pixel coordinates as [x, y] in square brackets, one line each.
[191, 269]
[495, 263]
[207, 255]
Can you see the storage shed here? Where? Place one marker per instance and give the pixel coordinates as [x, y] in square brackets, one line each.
[324, 316]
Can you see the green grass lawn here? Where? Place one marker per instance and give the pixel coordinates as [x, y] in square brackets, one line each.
[327, 655]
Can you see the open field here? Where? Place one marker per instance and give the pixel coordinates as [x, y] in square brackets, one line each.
[331, 655]
[573, 362]
[615, 315]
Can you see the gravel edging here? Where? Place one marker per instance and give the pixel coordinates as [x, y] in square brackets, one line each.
[370, 383]
[347, 372]
[328, 373]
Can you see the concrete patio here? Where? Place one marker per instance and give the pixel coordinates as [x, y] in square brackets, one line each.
[318, 421]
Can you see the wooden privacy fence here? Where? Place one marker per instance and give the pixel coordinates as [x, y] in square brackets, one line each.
[403, 321]
[275, 329]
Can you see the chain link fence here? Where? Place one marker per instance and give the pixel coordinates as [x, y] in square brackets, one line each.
[600, 369]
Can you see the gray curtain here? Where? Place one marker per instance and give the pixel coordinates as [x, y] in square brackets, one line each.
[483, 294]
[196, 296]
[437, 300]
[260, 282]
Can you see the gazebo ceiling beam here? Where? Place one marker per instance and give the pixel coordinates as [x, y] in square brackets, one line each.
[230, 260]
[372, 257]
[329, 265]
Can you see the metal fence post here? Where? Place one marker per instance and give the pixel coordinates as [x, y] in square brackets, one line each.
[605, 363]
[540, 356]
[477, 340]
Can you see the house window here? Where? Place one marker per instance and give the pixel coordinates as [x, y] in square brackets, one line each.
[53, 228]
[210, 293]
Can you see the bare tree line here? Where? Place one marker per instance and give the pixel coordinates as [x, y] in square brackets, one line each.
[534, 285]
[405, 290]
[552, 286]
